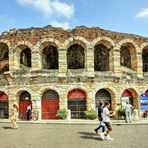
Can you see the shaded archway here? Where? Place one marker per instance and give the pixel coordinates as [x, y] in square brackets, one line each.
[24, 100]
[4, 58]
[4, 106]
[128, 56]
[145, 59]
[77, 103]
[76, 57]
[50, 104]
[50, 57]
[131, 96]
[102, 95]
[101, 58]
[25, 58]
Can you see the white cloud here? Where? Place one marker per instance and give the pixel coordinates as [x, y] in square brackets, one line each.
[64, 25]
[143, 13]
[50, 7]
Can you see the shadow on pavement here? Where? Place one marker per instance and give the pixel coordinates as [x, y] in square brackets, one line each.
[7, 127]
[88, 135]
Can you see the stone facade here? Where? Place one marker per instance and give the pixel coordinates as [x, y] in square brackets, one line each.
[36, 80]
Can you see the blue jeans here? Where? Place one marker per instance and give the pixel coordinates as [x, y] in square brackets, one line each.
[128, 116]
[101, 125]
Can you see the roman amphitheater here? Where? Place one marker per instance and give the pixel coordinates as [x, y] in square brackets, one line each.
[53, 68]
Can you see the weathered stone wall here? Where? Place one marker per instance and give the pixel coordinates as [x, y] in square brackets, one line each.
[35, 80]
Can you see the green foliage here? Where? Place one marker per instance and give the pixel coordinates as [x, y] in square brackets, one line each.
[121, 112]
[62, 113]
[91, 114]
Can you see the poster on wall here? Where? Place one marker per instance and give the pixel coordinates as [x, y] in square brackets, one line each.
[123, 101]
[144, 102]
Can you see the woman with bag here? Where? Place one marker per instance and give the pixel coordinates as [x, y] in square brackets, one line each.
[14, 116]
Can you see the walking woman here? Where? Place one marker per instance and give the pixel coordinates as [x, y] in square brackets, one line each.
[14, 116]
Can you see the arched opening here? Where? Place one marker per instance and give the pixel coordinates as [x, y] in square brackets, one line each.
[50, 104]
[4, 58]
[101, 58]
[50, 57]
[103, 95]
[130, 95]
[25, 58]
[128, 56]
[4, 106]
[77, 103]
[24, 100]
[75, 57]
[145, 59]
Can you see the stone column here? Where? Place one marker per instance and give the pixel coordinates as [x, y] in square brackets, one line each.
[89, 61]
[36, 60]
[139, 63]
[62, 62]
[116, 61]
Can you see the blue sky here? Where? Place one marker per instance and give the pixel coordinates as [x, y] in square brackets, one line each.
[129, 16]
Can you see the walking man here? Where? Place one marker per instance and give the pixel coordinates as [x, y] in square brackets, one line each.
[28, 111]
[100, 117]
[106, 119]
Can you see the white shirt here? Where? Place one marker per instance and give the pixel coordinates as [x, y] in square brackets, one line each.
[106, 117]
[128, 107]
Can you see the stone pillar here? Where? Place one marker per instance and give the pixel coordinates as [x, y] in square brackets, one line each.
[89, 61]
[16, 60]
[139, 63]
[62, 62]
[36, 60]
[36, 104]
[11, 60]
[63, 101]
[116, 61]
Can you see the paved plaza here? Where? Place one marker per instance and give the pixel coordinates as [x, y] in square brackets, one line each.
[71, 136]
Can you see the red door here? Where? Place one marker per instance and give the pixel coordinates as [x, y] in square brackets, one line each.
[22, 108]
[49, 109]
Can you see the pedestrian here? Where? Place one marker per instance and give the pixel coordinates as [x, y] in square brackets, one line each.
[28, 111]
[106, 119]
[14, 116]
[128, 108]
[100, 118]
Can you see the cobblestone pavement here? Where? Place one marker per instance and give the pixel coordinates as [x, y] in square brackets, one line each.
[71, 136]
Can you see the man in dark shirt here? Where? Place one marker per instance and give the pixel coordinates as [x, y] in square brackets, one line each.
[100, 117]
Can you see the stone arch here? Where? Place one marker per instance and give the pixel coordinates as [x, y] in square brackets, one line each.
[144, 54]
[4, 105]
[103, 54]
[6, 42]
[128, 47]
[50, 55]
[76, 40]
[76, 57]
[108, 42]
[23, 55]
[113, 94]
[50, 41]
[76, 100]
[50, 104]
[134, 96]
[4, 57]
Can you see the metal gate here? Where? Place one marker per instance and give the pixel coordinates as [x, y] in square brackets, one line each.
[77, 107]
[4, 110]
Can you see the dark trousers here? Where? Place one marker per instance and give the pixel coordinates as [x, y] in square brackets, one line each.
[101, 126]
[28, 115]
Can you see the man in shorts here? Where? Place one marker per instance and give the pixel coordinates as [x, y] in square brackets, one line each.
[106, 119]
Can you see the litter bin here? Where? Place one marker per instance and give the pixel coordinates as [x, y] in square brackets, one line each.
[145, 114]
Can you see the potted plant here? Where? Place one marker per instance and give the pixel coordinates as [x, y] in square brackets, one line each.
[91, 114]
[121, 113]
[62, 113]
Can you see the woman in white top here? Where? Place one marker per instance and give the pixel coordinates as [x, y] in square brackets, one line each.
[14, 116]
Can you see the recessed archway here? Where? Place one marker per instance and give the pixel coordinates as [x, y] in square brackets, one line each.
[77, 103]
[50, 104]
[4, 105]
[145, 59]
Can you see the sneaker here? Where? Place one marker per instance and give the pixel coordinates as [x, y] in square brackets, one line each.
[102, 136]
[96, 131]
[109, 138]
